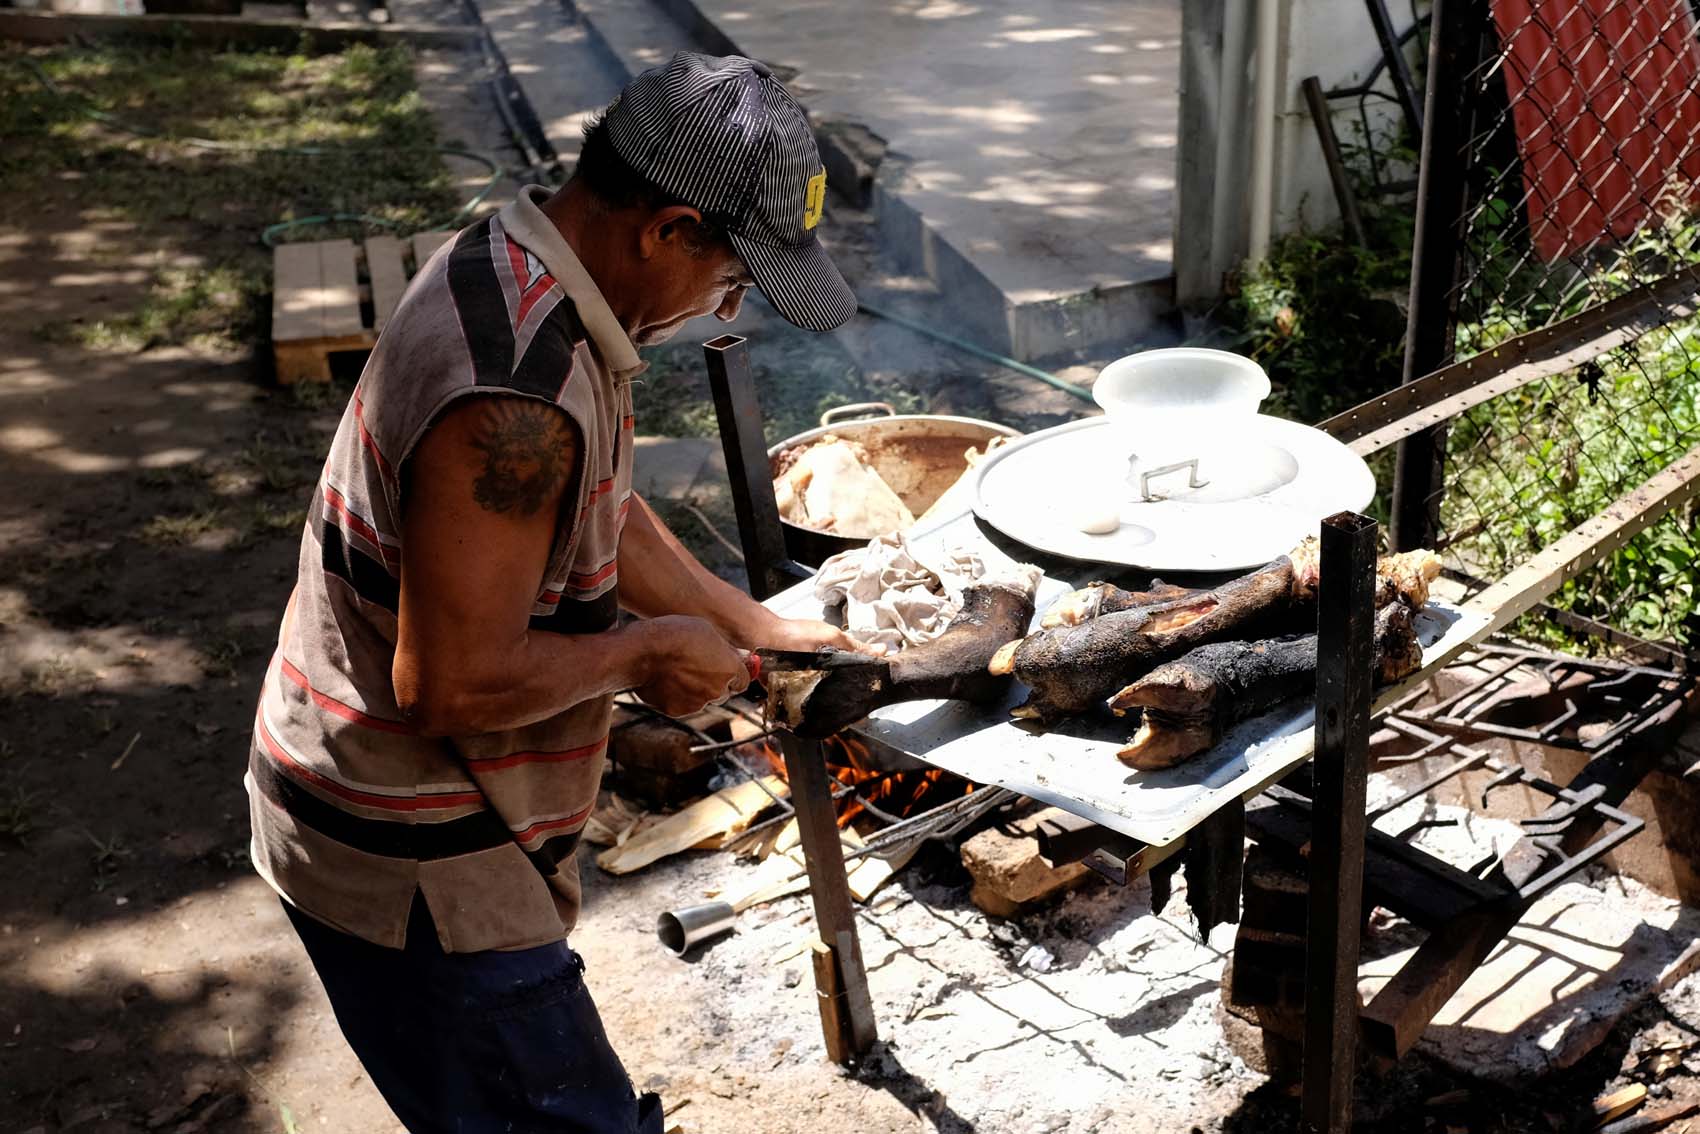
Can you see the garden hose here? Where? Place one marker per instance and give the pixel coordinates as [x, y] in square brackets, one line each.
[268, 235]
[978, 351]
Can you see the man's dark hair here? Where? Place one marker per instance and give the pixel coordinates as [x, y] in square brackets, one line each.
[612, 181]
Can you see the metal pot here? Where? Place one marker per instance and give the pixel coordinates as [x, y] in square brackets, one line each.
[919, 455]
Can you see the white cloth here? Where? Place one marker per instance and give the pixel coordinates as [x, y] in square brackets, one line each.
[893, 598]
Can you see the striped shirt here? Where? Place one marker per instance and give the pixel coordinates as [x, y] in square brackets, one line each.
[353, 811]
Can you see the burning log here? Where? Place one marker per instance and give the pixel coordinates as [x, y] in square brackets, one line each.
[954, 666]
[1072, 669]
[1188, 704]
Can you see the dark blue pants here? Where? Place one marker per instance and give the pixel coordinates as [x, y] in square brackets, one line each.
[477, 1043]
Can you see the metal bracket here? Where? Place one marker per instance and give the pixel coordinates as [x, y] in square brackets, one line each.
[1145, 478]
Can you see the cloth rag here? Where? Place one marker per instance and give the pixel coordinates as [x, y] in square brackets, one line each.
[891, 596]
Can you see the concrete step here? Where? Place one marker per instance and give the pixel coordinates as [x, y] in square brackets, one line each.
[1042, 247]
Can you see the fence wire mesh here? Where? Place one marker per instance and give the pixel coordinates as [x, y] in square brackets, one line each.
[1581, 164]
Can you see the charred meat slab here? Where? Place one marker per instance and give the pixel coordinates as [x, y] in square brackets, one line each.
[1072, 669]
[1399, 578]
[1190, 703]
[1095, 599]
[954, 666]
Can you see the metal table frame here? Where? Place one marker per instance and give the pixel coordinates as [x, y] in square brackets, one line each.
[1338, 825]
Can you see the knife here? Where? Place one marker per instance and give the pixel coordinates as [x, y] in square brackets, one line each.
[793, 661]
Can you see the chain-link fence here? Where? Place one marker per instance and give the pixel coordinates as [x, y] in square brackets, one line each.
[1579, 128]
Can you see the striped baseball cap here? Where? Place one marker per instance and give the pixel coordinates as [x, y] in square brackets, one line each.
[724, 136]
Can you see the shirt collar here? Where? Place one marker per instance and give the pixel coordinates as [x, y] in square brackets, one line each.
[525, 222]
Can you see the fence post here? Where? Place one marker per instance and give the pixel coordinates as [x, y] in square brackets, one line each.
[1441, 186]
[1345, 687]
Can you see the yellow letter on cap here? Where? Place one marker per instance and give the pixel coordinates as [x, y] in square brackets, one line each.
[814, 199]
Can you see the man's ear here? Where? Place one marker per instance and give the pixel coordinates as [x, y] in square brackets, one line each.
[668, 227]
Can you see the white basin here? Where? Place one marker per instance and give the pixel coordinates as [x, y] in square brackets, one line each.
[1179, 403]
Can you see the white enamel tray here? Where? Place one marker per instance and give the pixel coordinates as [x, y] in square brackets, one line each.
[1265, 489]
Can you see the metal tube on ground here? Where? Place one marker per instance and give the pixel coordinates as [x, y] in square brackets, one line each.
[682, 928]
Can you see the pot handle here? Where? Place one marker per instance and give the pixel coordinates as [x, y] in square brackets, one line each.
[860, 409]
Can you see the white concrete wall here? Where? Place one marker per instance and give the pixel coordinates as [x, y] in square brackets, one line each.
[1333, 40]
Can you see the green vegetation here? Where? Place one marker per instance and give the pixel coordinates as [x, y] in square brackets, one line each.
[1535, 463]
[203, 207]
[1325, 317]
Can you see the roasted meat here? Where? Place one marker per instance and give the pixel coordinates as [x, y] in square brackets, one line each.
[1403, 577]
[1105, 598]
[1189, 703]
[1072, 669]
[955, 665]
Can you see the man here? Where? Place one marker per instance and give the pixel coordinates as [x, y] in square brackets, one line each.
[430, 734]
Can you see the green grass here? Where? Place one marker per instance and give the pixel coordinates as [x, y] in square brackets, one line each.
[203, 208]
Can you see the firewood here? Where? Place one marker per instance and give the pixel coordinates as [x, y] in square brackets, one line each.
[727, 811]
[1618, 1103]
[953, 666]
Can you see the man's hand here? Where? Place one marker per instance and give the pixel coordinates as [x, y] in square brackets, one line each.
[806, 634]
[692, 667]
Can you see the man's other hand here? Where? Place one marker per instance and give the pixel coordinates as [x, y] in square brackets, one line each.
[692, 666]
[806, 634]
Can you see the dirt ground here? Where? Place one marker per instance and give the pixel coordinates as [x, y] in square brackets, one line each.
[148, 980]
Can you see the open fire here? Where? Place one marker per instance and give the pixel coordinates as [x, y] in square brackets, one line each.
[877, 795]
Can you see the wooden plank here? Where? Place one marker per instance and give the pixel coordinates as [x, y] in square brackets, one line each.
[1618, 1103]
[425, 243]
[389, 277]
[1345, 688]
[225, 31]
[730, 809]
[1394, 1021]
[295, 293]
[1525, 586]
[339, 290]
[829, 994]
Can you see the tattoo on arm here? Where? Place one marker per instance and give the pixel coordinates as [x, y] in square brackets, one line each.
[528, 452]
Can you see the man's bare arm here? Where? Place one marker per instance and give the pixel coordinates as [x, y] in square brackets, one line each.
[659, 575]
[484, 493]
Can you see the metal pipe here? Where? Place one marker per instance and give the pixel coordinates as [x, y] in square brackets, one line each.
[1230, 104]
[1263, 114]
[1345, 691]
[682, 928]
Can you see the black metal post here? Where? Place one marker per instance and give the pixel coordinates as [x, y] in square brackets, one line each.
[1441, 189]
[1345, 687]
[1398, 67]
[829, 886]
[1343, 195]
[743, 438]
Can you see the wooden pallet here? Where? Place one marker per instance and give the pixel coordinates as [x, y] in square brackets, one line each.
[327, 297]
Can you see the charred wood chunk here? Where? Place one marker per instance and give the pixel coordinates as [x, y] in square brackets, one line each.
[953, 666]
[1073, 669]
[1188, 704]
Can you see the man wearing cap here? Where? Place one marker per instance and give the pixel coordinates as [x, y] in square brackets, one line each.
[430, 734]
